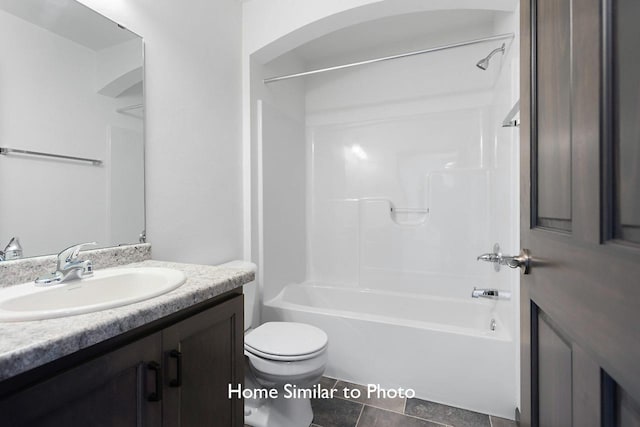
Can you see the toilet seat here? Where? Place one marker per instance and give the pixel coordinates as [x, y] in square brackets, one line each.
[286, 341]
[284, 358]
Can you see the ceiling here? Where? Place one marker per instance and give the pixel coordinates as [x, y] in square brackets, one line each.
[71, 20]
[411, 31]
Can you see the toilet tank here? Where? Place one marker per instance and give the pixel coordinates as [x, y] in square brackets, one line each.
[250, 291]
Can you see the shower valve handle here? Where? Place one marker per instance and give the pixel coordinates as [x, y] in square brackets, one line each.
[522, 261]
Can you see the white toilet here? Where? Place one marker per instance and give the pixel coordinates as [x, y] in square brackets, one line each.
[280, 353]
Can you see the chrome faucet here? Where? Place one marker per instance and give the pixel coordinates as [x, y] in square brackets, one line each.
[522, 261]
[490, 257]
[13, 250]
[495, 257]
[69, 267]
[485, 293]
[490, 293]
[511, 261]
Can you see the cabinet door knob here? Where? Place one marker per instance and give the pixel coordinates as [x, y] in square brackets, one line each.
[177, 382]
[156, 396]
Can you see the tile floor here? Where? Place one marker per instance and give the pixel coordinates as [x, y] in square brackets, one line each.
[398, 412]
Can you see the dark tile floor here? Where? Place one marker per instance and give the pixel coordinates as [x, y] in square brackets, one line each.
[396, 412]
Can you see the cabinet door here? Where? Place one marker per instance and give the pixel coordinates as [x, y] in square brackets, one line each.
[203, 355]
[111, 390]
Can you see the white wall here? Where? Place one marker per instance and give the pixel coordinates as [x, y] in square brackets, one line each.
[412, 133]
[271, 28]
[280, 184]
[49, 103]
[125, 184]
[193, 95]
[440, 94]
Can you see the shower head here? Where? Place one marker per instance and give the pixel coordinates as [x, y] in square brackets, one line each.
[483, 64]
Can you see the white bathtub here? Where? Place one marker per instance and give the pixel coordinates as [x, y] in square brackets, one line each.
[443, 348]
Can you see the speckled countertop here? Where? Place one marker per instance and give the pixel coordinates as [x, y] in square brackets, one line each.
[27, 269]
[26, 345]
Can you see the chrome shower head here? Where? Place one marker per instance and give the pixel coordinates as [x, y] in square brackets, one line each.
[483, 64]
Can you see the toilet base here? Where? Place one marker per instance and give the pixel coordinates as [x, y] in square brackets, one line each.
[278, 412]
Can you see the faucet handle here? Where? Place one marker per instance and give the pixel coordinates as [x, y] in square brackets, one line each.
[489, 257]
[71, 253]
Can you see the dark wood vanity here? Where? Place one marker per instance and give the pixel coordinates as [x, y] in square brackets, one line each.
[174, 371]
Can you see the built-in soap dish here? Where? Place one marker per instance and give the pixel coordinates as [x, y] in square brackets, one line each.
[409, 216]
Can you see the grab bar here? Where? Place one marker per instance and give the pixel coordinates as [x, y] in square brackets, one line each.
[6, 151]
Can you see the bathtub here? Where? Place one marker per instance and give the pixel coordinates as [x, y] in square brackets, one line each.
[443, 348]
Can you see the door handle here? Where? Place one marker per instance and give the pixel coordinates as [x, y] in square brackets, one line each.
[177, 382]
[522, 261]
[156, 396]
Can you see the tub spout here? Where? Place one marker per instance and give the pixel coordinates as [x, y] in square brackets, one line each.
[484, 293]
[490, 293]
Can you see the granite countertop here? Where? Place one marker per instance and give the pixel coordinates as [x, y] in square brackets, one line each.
[26, 345]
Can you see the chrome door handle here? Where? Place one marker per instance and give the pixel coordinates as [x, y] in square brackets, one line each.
[522, 261]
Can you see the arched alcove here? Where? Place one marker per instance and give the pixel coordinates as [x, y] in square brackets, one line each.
[268, 38]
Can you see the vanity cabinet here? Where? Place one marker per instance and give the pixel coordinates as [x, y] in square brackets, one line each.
[203, 355]
[175, 376]
[107, 391]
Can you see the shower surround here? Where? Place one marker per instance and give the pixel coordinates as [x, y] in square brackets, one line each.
[378, 187]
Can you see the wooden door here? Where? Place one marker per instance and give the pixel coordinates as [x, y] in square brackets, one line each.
[203, 355]
[580, 212]
[112, 390]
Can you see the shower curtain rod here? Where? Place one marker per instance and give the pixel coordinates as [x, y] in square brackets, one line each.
[387, 58]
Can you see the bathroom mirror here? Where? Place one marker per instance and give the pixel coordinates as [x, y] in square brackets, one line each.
[71, 127]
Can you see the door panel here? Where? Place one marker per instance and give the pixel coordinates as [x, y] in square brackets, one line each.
[554, 373]
[626, 118]
[580, 306]
[627, 411]
[212, 347]
[584, 385]
[554, 115]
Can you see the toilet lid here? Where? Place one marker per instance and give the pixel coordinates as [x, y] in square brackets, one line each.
[285, 339]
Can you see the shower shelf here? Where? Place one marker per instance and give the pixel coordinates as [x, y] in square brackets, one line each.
[410, 210]
[510, 120]
[136, 110]
[409, 217]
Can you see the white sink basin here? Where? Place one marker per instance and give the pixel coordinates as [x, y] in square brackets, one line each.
[105, 289]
